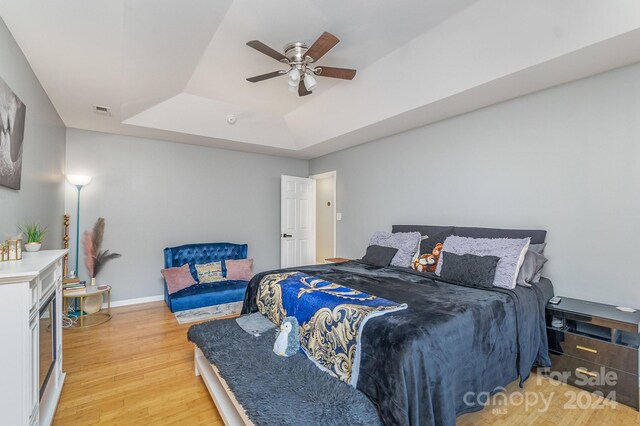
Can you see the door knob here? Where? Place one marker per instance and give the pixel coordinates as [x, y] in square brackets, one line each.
[287, 236]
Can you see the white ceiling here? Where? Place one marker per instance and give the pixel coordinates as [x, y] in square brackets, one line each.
[174, 70]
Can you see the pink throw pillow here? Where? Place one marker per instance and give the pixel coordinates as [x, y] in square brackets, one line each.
[239, 269]
[178, 278]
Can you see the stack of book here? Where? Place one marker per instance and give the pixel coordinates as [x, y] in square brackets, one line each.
[73, 287]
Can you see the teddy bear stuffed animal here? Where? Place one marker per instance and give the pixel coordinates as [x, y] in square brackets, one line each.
[422, 263]
[428, 261]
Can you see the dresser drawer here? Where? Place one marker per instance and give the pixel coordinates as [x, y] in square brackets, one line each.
[596, 351]
[34, 296]
[48, 280]
[593, 377]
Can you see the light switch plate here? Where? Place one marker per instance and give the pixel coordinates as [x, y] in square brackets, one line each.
[338, 216]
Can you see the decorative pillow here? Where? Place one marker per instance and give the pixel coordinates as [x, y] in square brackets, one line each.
[511, 252]
[428, 262]
[469, 269]
[428, 244]
[406, 243]
[533, 262]
[210, 272]
[178, 278]
[379, 256]
[239, 269]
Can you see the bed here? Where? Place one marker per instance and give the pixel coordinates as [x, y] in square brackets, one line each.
[428, 363]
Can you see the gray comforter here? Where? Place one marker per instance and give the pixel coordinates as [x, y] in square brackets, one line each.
[452, 341]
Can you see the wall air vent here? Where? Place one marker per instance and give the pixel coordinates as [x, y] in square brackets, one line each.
[102, 110]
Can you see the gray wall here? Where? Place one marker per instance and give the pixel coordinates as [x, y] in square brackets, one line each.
[155, 194]
[40, 198]
[566, 159]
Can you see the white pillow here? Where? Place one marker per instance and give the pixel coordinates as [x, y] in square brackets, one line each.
[511, 252]
[407, 244]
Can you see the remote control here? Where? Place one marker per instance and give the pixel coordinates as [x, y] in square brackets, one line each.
[555, 300]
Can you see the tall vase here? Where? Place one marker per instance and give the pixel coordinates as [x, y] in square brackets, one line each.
[93, 280]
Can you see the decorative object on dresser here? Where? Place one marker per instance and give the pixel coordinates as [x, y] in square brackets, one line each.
[13, 249]
[595, 347]
[34, 234]
[12, 135]
[31, 335]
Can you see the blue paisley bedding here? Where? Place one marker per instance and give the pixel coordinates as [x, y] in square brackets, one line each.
[331, 317]
[419, 364]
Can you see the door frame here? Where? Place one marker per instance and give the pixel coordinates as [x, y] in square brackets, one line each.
[326, 175]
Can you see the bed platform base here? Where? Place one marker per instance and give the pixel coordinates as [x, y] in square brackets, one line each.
[228, 406]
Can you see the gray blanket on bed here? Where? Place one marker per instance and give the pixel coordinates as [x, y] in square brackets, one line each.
[275, 390]
[452, 341]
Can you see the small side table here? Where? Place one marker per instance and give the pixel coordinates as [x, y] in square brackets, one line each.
[337, 259]
[595, 347]
[89, 320]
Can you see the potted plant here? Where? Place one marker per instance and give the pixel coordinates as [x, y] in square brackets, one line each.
[34, 234]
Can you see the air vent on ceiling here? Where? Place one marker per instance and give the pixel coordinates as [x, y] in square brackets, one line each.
[102, 110]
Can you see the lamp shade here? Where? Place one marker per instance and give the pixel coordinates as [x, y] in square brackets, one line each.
[79, 180]
[294, 74]
[309, 82]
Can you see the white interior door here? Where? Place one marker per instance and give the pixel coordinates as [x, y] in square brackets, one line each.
[297, 221]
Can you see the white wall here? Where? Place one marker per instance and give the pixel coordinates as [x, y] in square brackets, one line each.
[566, 159]
[40, 198]
[155, 194]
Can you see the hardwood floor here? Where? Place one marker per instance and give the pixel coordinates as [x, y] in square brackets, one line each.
[551, 403]
[138, 369]
[135, 369]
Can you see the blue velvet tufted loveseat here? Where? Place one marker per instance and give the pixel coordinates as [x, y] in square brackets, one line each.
[200, 295]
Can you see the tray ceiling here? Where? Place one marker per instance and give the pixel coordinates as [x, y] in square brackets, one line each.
[174, 70]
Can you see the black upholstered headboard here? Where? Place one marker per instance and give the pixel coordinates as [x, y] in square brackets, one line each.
[537, 236]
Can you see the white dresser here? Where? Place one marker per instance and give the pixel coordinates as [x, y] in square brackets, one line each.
[31, 338]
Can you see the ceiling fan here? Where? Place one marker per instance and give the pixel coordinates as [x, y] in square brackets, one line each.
[299, 57]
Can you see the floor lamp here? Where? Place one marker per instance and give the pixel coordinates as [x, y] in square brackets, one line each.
[78, 181]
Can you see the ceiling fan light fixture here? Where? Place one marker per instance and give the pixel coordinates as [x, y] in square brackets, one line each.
[294, 75]
[299, 57]
[310, 82]
[293, 83]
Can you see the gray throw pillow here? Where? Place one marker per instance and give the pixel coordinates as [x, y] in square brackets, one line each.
[428, 244]
[510, 251]
[469, 269]
[379, 256]
[534, 260]
[406, 243]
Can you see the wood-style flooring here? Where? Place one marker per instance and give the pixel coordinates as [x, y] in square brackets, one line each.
[137, 369]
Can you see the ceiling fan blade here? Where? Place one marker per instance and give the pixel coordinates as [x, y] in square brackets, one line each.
[323, 44]
[343, 73]
[302, 90]
[263, 48]
[266, 76]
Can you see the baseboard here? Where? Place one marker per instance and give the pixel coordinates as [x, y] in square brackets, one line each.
[136, 301]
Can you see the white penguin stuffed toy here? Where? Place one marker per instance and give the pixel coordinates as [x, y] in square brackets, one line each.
[287, 339]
